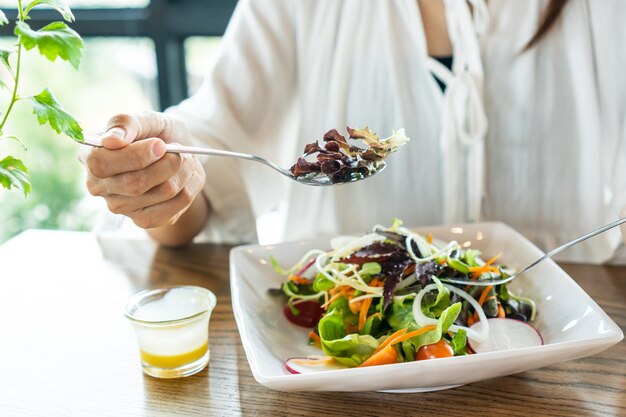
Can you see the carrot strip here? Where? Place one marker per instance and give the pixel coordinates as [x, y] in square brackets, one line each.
[501, 312]
[317, 342]
[477, 271]
[365, 306]
[380, 316]
[412, 334]
[376, 283]
[334, 290]
[355, 306]
[334, 297]
[483, 296]
[386, 356]
[343, 291]
[429, 238]
[389, 339]
[470, 320]
[299, 280]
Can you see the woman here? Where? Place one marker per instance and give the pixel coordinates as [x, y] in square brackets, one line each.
[530, 130]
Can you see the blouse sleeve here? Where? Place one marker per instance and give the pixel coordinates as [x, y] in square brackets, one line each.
[250, 85]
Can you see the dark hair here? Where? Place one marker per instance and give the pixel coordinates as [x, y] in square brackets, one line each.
[549, 18]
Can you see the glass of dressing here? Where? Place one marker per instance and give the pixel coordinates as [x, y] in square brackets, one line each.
[172, 327]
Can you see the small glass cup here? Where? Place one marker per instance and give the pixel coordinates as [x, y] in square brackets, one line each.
[172, 327]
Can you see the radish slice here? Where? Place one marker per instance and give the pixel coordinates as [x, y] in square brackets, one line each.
[293, 366]
[505, 334]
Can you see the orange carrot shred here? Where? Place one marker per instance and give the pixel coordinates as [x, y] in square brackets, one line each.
[501, 312]
[299, 280]
[389, 339]
[317, 342]
[355, 307]
[365, 305]
[483, 296]
[429, 238]
[410, 335]
[385, 356]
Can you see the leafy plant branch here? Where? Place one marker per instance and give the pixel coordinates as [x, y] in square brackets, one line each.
[55, 40]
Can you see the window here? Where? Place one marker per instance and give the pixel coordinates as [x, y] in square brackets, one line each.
[137, 55]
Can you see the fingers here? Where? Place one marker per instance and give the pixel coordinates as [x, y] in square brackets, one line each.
[123, 129]
[105, 163]
[167, 212]
[138, 183]
[161, 204]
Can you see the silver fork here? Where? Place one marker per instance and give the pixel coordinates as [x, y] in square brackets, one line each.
[314, 179]
[486, 282]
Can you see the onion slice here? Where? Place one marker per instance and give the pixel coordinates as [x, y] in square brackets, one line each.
[420, 318]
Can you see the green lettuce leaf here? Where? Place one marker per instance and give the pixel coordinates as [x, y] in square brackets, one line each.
[53, 40]
[401, 314]
[443, 324]
[370, 268]
[350, 350]
[322, 283]
[459, 343]
[434, 306]
[49, 110]
[13, 174]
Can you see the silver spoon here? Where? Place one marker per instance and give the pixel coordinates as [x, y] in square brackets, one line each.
[486, 282]
[315, 179]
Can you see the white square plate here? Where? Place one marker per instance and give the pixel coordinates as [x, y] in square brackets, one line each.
[570, 322]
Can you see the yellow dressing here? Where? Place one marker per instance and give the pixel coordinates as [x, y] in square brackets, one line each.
[174, 361]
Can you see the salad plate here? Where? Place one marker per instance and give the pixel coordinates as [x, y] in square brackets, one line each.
[571, 323]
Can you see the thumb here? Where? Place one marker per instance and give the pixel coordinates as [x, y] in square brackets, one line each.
[124, 129]
[121, 131]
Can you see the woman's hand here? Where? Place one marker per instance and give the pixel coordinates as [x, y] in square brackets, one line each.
[159, 191]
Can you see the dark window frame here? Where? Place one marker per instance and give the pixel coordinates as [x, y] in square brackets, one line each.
[167, 22]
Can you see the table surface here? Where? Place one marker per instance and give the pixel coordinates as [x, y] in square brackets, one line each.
[66, 349]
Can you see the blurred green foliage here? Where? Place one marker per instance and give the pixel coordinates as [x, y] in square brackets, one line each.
[116, 75]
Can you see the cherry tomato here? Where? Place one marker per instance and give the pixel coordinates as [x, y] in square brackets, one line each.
[310, 313]
[441, 349]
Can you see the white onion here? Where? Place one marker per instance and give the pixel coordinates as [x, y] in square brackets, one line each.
[357, 244]
[423, 320]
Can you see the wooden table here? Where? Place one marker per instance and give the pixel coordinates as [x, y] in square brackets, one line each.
[66, 348]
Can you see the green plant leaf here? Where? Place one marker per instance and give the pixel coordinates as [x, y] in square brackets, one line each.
[4, 57]
[53, 40]
[13, 174]
[49, 110]
[59, 5]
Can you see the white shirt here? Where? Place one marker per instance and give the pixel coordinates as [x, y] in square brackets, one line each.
[552, 163]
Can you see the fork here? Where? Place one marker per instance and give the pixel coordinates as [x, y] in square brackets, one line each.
[314, 180]
[486, 282]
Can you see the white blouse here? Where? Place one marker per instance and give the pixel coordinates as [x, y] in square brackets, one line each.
[534, 139]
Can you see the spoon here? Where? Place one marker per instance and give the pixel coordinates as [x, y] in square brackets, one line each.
[314, 179]
[486, 282]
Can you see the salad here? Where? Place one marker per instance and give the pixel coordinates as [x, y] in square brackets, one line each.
[342, 161]
[379, 299]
